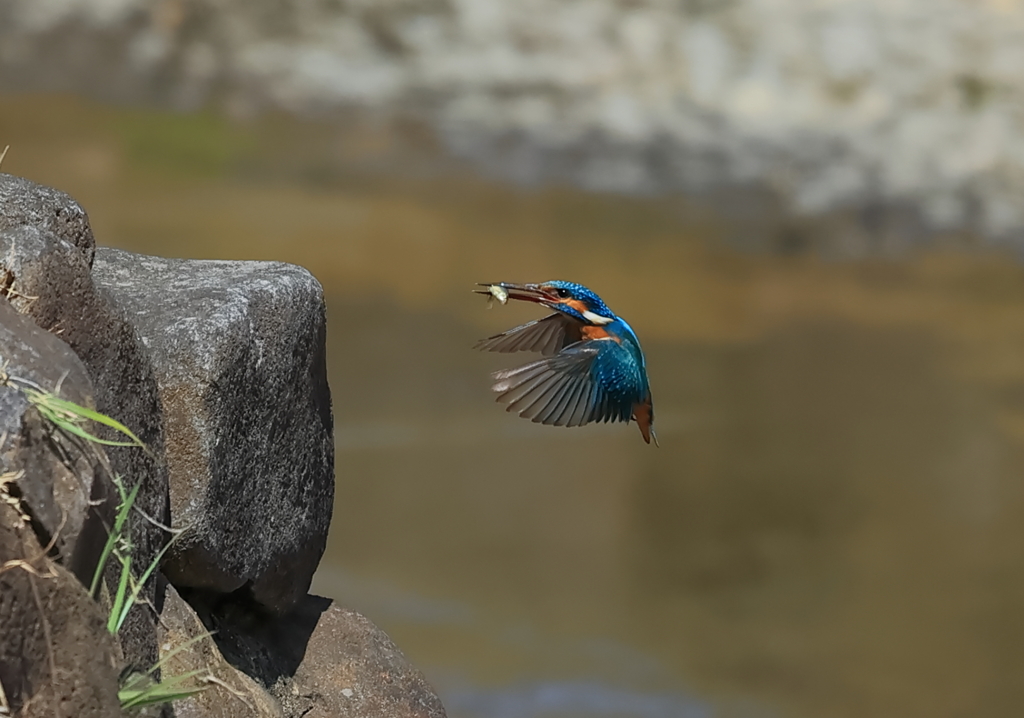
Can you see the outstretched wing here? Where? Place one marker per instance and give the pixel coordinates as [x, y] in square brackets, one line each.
[571, 388]
[547, 336]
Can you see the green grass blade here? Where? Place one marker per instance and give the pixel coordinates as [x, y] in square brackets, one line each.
[84, 411]
[156, 697]
[79, 431]
[140, 584]
[123, 511]
[68, 415]
[177, 649]
[138, 691]
[121, 605]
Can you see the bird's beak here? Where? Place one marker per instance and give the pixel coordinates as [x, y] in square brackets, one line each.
[522, 292]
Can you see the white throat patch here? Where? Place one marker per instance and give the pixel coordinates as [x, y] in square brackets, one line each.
[596, 318]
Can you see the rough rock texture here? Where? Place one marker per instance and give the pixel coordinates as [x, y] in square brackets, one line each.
[231, 693]
[49, 280]
[323, 661]
[60, 482]
[238, 349]
[862, 103]
[229, 356]
[23, 202]
[56, 657]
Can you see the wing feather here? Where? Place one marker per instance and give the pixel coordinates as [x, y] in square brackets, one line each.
[550, 413]
[506, 379]
[521, 387]
[565, 389]
[547, 336]
[534, 403]
[565, 411]
[515, 394]
[565, 418]
[543, 401]
[537, 390]
[581, 412]
[525, 401]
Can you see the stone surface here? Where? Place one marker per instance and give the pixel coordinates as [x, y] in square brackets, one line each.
[862, 103]
[56, 657]
[231, 356]
[228, 693]
[49, 280]
[23, 202]
[238, 349]
[61, 482]
[324, 661]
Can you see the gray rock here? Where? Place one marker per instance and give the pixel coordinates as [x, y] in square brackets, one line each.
[23, 202]
[324, 661]
[60, 482]
[56, 657]
[352, 668]
[186, 646]
[49, 280]
[238, 349]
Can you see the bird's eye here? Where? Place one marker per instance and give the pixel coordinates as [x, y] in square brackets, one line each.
[562, 292]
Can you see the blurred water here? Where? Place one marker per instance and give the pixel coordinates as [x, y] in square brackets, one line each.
[831, 527]
[571, 700]
[907, 113]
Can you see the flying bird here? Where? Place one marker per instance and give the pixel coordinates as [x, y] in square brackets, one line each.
[593, 368]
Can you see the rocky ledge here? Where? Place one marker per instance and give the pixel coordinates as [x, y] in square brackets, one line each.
[219, 369]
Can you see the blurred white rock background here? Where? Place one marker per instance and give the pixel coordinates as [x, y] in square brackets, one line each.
[828, 104]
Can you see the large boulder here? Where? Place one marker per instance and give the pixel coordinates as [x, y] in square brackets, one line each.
[25, 203]
[49, 280]
[324, 661]
[238, 350]
[219, 367]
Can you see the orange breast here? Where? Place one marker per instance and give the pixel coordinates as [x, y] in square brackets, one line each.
[590, 331]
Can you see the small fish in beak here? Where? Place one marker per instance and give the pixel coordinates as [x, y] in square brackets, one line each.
[494, 291]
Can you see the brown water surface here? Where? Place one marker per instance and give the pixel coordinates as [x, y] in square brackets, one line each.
[833, 525]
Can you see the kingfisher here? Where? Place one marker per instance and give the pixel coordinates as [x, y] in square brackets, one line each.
[593, 368]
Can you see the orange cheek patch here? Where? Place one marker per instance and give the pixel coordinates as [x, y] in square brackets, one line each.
[575, 304]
